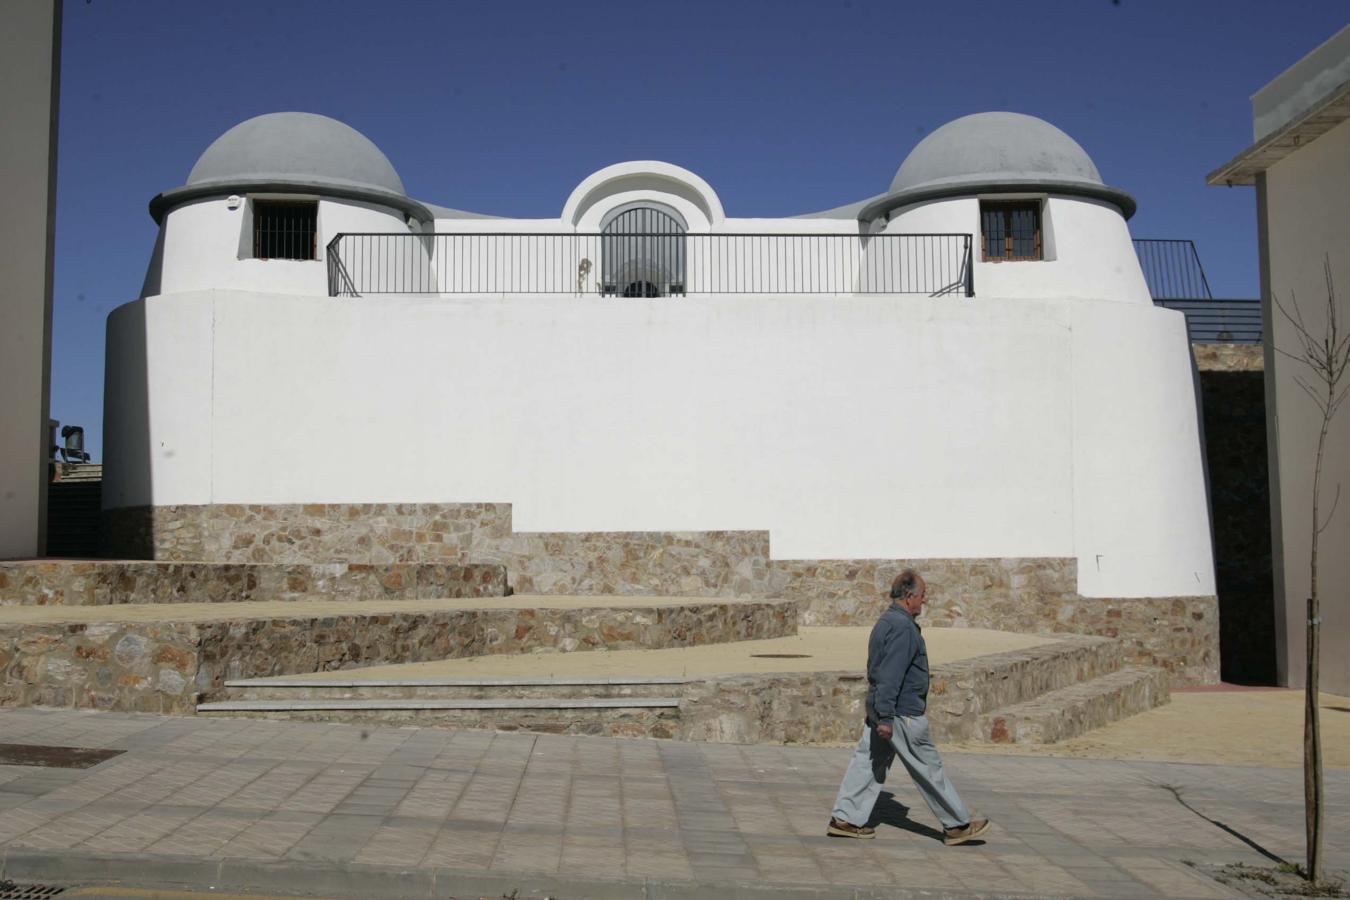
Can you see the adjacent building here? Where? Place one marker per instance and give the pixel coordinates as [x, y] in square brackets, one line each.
[1299, 163]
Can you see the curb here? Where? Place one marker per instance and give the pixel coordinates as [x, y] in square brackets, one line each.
[339, 880]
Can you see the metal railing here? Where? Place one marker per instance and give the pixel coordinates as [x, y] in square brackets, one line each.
[1172, 269]
[647, 265]
[1220, 321]
[1176, 280]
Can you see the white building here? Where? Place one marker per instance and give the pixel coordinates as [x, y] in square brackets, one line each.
[966, 366]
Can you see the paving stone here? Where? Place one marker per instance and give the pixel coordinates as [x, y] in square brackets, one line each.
[697, 815]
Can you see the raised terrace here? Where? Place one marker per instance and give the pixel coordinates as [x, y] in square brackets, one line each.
[159, 657]
[805, 688]
[440, 644]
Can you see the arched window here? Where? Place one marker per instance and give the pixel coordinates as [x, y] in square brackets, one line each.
[643, 253]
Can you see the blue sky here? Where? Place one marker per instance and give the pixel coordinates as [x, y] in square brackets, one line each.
[783, 107]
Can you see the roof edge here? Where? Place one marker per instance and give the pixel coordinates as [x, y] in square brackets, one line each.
[890, 202]
[1311, 124]
[163, 202]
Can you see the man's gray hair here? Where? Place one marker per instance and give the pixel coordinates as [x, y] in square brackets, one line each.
[905, 585]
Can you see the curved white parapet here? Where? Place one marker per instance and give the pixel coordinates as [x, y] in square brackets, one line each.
[629, 182]
[849, 427]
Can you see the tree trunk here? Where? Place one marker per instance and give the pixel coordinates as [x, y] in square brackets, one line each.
[1312, 725]
[1312, 751]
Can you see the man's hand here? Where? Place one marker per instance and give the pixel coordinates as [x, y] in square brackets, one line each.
[884, 731]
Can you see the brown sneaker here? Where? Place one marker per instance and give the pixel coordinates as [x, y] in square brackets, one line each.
[840, 828]
[953, 836]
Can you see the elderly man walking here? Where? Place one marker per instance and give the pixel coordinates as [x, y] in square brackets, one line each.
[897, 696]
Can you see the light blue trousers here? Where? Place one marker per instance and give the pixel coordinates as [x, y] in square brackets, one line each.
[871, 761]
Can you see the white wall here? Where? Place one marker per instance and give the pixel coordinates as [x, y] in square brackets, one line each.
[847, 426]
[1140, 506]
[199, 248]
[1307, 220]
[1089, 253]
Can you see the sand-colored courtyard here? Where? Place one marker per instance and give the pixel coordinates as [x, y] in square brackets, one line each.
[1233, 727]
[810, 650]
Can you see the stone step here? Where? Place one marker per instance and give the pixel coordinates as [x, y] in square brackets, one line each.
[513, 703]
[612, 716]
[1071, 711]
[449, 689]
[965, 690]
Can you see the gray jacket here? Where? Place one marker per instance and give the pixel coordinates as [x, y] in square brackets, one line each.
[897, 667]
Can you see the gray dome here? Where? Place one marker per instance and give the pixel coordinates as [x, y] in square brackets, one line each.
[995, 146]
[995, 152]
[295, 146]
[293, 151]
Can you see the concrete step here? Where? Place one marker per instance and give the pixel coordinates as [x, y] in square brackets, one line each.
[448, 689]
[1071, 711]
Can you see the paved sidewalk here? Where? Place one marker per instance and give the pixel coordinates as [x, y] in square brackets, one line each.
[351, 811]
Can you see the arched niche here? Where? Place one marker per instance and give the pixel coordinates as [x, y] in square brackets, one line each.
[594, 201]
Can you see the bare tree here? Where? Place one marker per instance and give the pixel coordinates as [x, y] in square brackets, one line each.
[1324, 354]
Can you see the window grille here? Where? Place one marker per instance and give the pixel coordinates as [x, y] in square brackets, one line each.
[1010, 230]
[285, 229]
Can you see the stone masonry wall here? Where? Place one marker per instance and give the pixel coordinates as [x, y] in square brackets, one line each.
[141, 667]
[696, 564]
[1179, 634]
[962, 592]
[1024, 594]
[163, 667]
[827, 707]
[91, 583]
[1232, 389]
[704, 564]
[372, 533]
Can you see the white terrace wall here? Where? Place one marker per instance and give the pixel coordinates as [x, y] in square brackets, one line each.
[848, 427]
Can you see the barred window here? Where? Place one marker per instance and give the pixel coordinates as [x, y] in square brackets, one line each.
[284, 229]
[1010, 230]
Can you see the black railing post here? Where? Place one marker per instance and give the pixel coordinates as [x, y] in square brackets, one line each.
[969, 242]
[330, 256]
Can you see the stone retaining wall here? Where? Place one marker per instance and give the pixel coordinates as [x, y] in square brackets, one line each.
[89, 583]
[962, 592]
[691, 564]
[827, 707]
[373, 533]
[111, 666]
[788, 707]
[1031, 596]
[1037, 595]
[702, 564]
[163, 667]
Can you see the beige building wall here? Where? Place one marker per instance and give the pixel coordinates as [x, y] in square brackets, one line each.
[1306, 202]
[30, 63]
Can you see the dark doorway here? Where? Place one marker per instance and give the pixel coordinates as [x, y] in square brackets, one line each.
[643, 252]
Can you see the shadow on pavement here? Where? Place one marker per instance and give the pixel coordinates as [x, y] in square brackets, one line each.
[1176, 793]
[889, 811]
